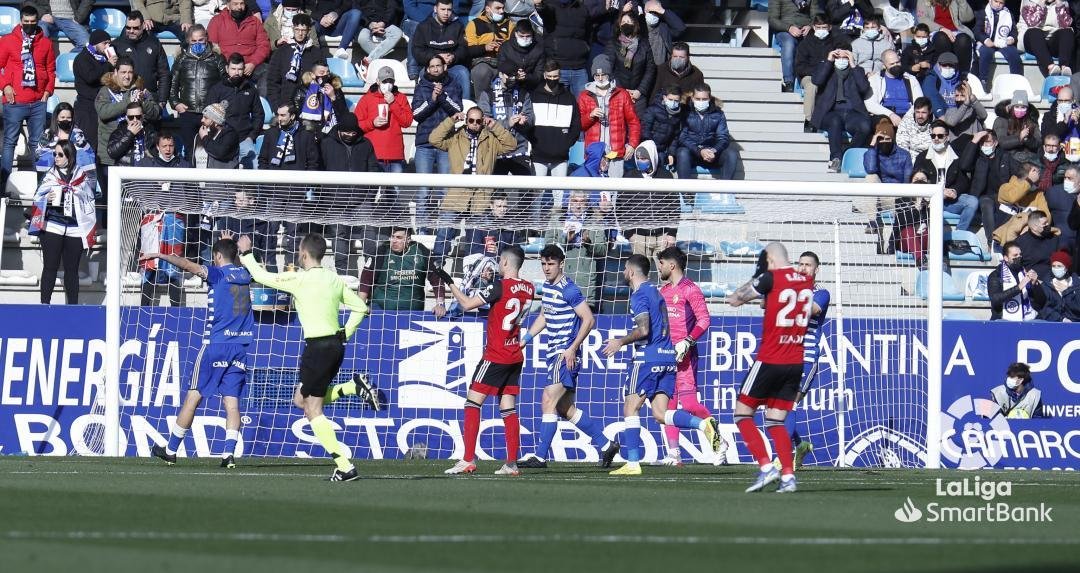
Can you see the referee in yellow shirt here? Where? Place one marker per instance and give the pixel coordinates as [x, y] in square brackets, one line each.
[318, 294]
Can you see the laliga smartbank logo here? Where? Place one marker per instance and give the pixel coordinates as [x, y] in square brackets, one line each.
[973, 501]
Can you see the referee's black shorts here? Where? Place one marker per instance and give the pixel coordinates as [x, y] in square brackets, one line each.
[319, 364]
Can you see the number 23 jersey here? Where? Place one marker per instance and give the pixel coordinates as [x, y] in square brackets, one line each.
[509, 300]
[789, 300]
[229, 319]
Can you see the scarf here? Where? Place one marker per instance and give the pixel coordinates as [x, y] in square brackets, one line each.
[841, 77]
[656, 43]
[627, 48]
[998, 24]
[318, 107]
[77, 202]
[29, 75]
[93, 52]
[470, 159]
[117, 98]
[284, 150]
[1017, 308]
[498, 105]
[947, 87]
[853, 21]
[139, 151]
[294, 62]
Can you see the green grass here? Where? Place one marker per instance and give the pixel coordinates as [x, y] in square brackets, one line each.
[84, 514]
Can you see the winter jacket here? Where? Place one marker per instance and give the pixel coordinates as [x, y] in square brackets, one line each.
[566, 32]
[480, 32]
[874, 103]
[81, 8]
[388, 11]
[639, 211]
[623, 126]
[686, 81]
[1052, 123]
[557, 125]
[987, 173]
[245, 112]
[999, 295]
[868, 53]
[1034, 14]
[892, 168]
[983, 29]
[856, 88]
[848, 18]
[151, 64]
[166, 11]
[1063, 305]
[120, 147]
[968, 118]
[418, 10]
[514, 101]
[784, 15]
[939, 91]
[222, 148]
[1011, 142]
[1060, 204]
[911, 136]
[305, 148]
[913, 54]
[433, 38]
[662, 36]
[192, 77]
[88, 72]
[111, 105]
[357, 157]
[811, 51]
[1022, 194]
[528, 59]
[44, 56]
[1038, 249]
[590, 164]
[387, 141]
[960, 11]
[278, 88]
[248, 38]
[581, 257]
[706, 130]
[662, 128]
[152, 159]
[493, 143]
[955, 177]
[429, 113]
[640, 75]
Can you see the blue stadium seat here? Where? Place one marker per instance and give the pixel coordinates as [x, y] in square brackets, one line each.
[346, 71]
[577, 153]
[852, 164]
[718, 204]
[533, 246]
[696, 248]
[1051, 82]
[109, 19]
[64, 73]
[9, 18]
[351, 102]
[741, 248]
[268, 114]
[759, 5]
[977, 253]
[50, 105]
[166, 35]
[949, 291]
[258, 146]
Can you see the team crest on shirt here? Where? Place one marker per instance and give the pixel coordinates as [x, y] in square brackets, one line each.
[149, 50]
[675, 299]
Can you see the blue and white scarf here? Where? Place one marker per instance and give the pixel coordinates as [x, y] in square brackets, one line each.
[29, 76]
[285, 150]
[318, 107]
[93, 52]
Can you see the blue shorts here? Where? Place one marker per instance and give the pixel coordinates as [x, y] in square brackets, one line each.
[648, 380]
[558, 373]
[221, 369]
[809, 375]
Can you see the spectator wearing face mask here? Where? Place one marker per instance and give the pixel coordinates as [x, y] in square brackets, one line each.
[244, 111]
[1059, 115]
[632, 61]
[871, 45]
[1038, 242]
[812, 49]
[990, 168]
[1052, 162]
[524, 55]
[196, 69]
[1062, 288]
[279, 25]
[640, 211]
[662, 122]
[346, 149]
[608, 114]
[943, 159]
[383, 113]
[919, 56]
[1017, 198]
[484, 36]
[893, 91]
[1060, 200]
[664, 27]
[1017, 124]
[1018, 397]
[839, 106]
[849, 16]
[1015, 293]
[995, 32]
[942, 83]
[291, 59]
[677, 72]
[789, 23]
[889, 162]
[949, 34]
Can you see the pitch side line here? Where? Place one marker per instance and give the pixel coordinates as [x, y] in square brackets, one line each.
[255, 537]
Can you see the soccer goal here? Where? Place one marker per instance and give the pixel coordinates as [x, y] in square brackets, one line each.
[875, 401]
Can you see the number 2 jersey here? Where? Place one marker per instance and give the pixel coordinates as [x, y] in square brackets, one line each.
[229, 319]
[789, 299]
[509, 300]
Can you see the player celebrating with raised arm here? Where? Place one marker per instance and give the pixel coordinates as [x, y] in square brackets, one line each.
[499, 373]
[773, 380]
[568, 319]
[688, 317]
[221, 366]
[653, 373]
[809, 263]
[318, 294]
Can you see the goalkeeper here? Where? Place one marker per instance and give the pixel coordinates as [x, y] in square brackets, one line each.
[318, 293]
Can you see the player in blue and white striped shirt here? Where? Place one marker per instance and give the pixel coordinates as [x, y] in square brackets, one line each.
[808, 265]
[567, 319]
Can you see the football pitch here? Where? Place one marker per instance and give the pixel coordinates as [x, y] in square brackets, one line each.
[92, 514]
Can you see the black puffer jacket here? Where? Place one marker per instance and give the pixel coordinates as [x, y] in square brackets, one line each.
[192, 77]
[527, 59]
[121, 146]
[566, 33]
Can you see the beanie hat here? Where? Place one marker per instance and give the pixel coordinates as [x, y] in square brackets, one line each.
[1061, 257]
[215, 112]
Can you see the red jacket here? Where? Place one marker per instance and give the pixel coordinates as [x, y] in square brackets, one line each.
[44, 66]
[624, 128]
[249, 39]
[388, 142]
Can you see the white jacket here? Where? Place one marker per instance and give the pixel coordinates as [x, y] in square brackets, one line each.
[877, 85]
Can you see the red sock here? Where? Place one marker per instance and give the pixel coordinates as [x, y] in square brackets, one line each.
[472, 430]
[782, 446]
[749, 432]
[512, 427]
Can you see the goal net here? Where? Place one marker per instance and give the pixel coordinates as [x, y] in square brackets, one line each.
[878, 347]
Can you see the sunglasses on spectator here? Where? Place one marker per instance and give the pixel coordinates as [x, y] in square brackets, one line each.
[133, 28]
[132, 117]
[60, 154]
[938, 135]
[472, 121]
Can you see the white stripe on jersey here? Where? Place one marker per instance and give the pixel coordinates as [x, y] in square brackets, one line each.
[560, 320]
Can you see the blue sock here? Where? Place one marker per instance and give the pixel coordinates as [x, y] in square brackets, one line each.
[175, 440]
[789, 424]
[549, 423]
[683, 419]
[591, 427]
[631, 439]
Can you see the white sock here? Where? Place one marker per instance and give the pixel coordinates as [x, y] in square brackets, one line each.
[766, 467]
[549, 418]
[674, 452]
[576, 417]
[669, 418]
[633, 421]
[787, 477]
[231, 435]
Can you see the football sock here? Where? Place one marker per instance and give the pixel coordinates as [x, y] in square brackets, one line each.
[512, 427]
[789, 423]
[631, 439]
[175, 440]
[752, 438]
[338, 391]
[472, 429]
[231, 437]
[549, 423]
[683, 419]
[781, 445]
[591, 427]
[324, 432]
[671, 436]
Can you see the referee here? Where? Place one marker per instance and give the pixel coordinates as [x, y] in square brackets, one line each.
[317, 294]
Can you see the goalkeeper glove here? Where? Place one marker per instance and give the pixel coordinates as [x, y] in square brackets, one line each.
[442, 276]
[682, 348]
[762, 264]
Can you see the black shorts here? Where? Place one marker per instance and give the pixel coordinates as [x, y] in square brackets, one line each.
[771, 385]
[319, 364]
[495, 379]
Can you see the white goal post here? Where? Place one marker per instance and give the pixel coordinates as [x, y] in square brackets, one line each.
[120, 253]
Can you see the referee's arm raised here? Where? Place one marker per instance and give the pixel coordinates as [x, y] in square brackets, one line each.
[287, 282]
